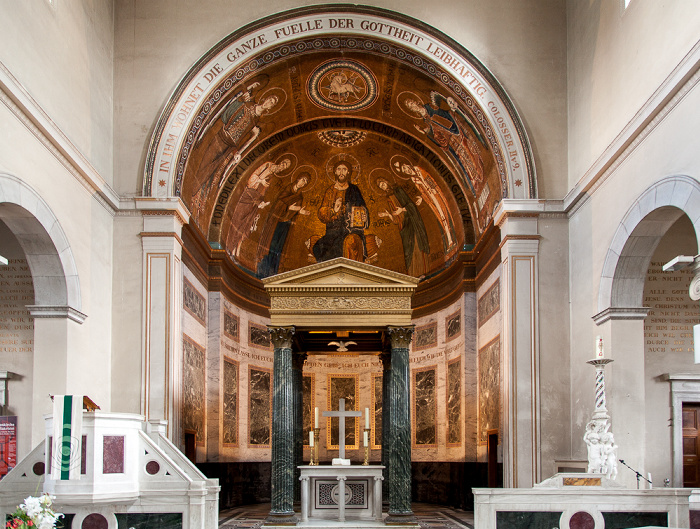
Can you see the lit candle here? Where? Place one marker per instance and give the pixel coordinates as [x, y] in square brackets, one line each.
[366, 438]
[367, 419]
[599, 347]
[311, 439]
[316, 417]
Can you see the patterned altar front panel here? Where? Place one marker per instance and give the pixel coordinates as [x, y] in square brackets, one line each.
[231, 325]
[453, 326]
[489, 388]
[454, 402]
[259, 336]
[490, 303]
[308, 385]
[342, 387]
[426, 336]
[230, 405]
[193, 384]
[425, 407]
[356, 493]
[193, 302]
[259, 407]
[377, 405]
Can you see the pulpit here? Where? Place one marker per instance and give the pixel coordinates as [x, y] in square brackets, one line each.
[341, 491]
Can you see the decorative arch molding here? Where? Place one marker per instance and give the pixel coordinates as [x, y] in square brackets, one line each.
[49, 255]
[187, 108]
[645, 223]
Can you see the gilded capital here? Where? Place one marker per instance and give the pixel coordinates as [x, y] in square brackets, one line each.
[400, 337]
[281, 337]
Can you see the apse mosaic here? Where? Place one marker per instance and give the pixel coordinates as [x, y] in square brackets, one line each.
[317, 156]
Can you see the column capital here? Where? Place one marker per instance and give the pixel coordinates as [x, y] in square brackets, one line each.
[281, 337]
[400, 337]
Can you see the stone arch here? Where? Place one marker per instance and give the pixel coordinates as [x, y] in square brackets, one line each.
[188, 107]
[641, 229]
[49, 255]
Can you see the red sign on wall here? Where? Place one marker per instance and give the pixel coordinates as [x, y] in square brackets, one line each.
[8, 443]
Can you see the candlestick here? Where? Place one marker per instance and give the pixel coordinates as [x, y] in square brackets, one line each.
[366, 418]
[312, 449]
[366, 439]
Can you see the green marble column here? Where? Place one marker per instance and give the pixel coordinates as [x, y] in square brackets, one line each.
[385, 357]
[399, 405]
[283, 432]
[298, 360]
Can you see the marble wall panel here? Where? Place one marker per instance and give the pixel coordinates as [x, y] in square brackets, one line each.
[231, 325]
[425, 407]
[377, 407]
[341, 386]
[453, 326]
[308, 393]
[489, 388]
[230, 402]
[193, 388]
[193, 302]
[425, 336]
[490, 303]
[258, 336]
[454, 402]
[259, 407]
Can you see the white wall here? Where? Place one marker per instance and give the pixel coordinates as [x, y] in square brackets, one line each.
[62, 54]
[617, 60]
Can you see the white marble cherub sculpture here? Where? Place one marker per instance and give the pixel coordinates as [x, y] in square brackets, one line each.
[609, 455]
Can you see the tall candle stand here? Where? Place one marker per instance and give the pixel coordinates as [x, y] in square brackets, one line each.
[600, 442]
[366, 447]
[317, 438]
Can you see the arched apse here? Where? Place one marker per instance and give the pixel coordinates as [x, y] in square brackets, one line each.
[50, 258]
[637, 236]
[397, 99]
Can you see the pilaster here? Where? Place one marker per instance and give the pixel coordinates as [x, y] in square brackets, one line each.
[162, 336]
[520, 353]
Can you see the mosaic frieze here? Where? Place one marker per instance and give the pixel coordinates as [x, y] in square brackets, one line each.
[454, 402]
[343, 387]
[194, 302]
[259, 407]
[377, 407]
[193, 384]
[490, 303]
[340, 303]
[230, 404]
[453, 326]
[425, 336]
[308, 404]
[489, 388]
[425, 407]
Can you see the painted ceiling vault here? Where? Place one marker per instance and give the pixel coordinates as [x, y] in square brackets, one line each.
[339, 145]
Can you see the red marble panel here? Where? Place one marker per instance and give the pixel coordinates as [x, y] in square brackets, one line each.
[113, 454]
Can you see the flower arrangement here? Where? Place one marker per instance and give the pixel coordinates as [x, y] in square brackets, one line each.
[35, 512]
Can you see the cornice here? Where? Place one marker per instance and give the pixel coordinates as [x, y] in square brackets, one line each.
[662, 102]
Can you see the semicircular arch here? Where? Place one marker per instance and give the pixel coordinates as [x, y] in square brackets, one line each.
[635, 239]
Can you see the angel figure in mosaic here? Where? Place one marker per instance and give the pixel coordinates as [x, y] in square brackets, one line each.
[453, 132]
[240, 128]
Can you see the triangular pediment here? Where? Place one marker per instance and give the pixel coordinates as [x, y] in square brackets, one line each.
[341, 272]
[340, 292]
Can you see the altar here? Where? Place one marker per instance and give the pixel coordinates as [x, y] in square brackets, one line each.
[341, 491]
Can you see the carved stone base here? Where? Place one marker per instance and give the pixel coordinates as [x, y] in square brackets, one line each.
[281, 519]
[401, 519]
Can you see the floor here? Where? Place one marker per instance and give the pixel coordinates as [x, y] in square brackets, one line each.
[429, 517]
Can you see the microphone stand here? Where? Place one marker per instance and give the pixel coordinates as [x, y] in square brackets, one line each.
[638, 474]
